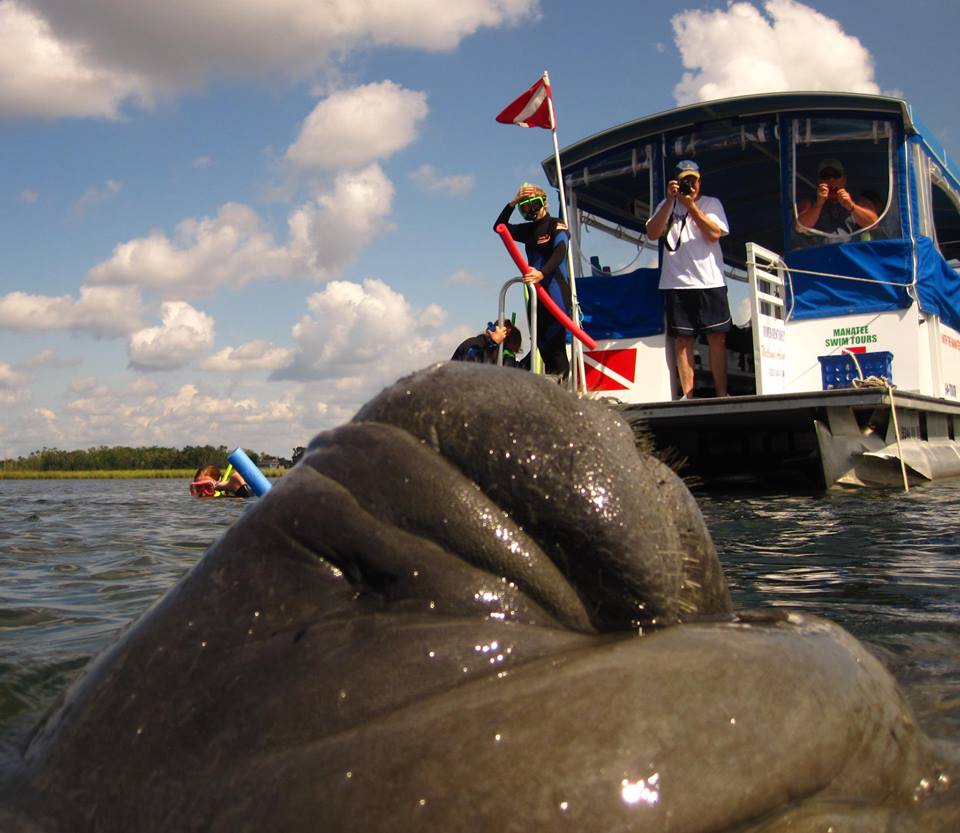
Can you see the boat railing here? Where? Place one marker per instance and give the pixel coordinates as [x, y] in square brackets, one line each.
[766, 279]
[535, 364]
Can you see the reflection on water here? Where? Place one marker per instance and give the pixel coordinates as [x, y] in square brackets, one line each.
[884, 565]
[81, 559]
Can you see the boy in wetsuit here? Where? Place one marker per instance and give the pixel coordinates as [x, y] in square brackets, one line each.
[546, 239]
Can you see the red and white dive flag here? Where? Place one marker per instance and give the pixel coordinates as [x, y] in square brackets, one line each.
[532, 109]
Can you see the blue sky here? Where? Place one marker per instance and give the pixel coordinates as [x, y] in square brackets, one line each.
[234, 223]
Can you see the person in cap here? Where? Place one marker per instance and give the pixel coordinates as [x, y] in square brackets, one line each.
[485, 347]
[833, 211]
[545, 239]
[691, 273]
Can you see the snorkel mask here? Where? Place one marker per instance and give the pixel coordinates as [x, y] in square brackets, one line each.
[530, 207]
[204, 487]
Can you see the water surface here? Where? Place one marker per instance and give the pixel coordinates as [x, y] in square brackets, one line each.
[80, 559]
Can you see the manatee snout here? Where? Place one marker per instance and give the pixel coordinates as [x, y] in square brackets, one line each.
[619, 525]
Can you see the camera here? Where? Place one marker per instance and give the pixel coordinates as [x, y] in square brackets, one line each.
[685, 185]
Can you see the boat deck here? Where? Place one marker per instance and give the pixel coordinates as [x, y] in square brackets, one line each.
[779, 438]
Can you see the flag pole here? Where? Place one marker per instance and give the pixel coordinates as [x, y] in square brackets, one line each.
[579, 374]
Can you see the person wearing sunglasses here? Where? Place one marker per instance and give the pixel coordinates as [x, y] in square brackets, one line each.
[833, 211]
[545, 239]
[690, 224]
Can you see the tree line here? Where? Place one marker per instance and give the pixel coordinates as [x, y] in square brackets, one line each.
[115, 458]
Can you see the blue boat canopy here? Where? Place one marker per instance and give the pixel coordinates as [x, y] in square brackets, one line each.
[762, 156]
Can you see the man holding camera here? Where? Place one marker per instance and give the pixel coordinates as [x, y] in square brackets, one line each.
[832, 210]
[691, 273]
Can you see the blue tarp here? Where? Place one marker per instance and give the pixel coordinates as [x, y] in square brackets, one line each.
[938, 286]
[622, 306]
[816, 296]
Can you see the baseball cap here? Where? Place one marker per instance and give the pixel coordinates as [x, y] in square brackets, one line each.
[687, 167]
[836, 164]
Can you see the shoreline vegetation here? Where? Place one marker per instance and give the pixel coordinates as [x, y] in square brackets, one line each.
[115, 474]
[125, 462]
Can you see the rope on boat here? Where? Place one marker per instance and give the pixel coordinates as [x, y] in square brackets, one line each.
[876, 382]
[791, 269]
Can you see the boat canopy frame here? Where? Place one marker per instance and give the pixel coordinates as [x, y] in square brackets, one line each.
[757, 154]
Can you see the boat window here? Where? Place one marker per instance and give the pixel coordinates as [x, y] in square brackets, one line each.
[843, 159]
[946, 216]
[740, 165]
[608, 250]
[616, 187]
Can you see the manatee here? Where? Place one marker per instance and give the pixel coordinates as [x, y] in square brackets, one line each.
[477, 607]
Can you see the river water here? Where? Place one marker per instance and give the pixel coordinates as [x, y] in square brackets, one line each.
[79, 559]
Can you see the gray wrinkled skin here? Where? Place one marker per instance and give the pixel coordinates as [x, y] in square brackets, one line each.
[430, 624]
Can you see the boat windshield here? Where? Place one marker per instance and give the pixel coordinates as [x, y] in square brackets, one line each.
[844, 181]
[946, 216]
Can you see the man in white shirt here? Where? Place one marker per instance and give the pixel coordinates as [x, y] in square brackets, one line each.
[691, 275]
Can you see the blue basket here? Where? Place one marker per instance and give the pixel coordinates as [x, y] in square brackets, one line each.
[840, 371]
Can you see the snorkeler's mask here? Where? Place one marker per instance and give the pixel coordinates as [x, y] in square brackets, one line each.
[530, 207]
[204, 487]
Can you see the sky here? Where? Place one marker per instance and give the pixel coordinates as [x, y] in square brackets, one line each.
[235, 222]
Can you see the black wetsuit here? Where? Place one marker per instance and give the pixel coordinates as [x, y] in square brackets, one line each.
[481, 349]
[546, 242]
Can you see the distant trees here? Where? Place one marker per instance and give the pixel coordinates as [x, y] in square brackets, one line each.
[113, 458]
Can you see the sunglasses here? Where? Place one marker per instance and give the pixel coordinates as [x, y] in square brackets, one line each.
[830, 173]
[531, 206]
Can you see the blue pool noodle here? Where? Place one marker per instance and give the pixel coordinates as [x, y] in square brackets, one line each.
[249, 471]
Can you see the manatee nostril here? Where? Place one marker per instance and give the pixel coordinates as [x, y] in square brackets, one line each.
[300, 634]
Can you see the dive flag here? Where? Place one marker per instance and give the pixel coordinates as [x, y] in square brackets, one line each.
[532, 109]
[611, 369]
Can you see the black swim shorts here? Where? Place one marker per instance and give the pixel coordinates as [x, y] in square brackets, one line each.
[692, 311]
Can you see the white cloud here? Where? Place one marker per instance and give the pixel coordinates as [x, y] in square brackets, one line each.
[99, 311]
[201, 162]
[29, 197]
[739, 51]
[184, 332]
[84, 385]
[43, 75]
[69, 58]
[365, 336]
[357, 126]
[427, 178]
[254, 355]
[13, 397]
[139, 414]
[96, 196]
[463, 277]
[189, 403]
[141, 387]
[232, 249]
[432, 316]
[10, 377]
[325, 235]
[49, 358]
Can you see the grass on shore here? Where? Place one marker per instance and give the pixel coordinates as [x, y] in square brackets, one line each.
[108, 474]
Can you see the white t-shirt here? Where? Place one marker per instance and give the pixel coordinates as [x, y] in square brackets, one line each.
[697, 262]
